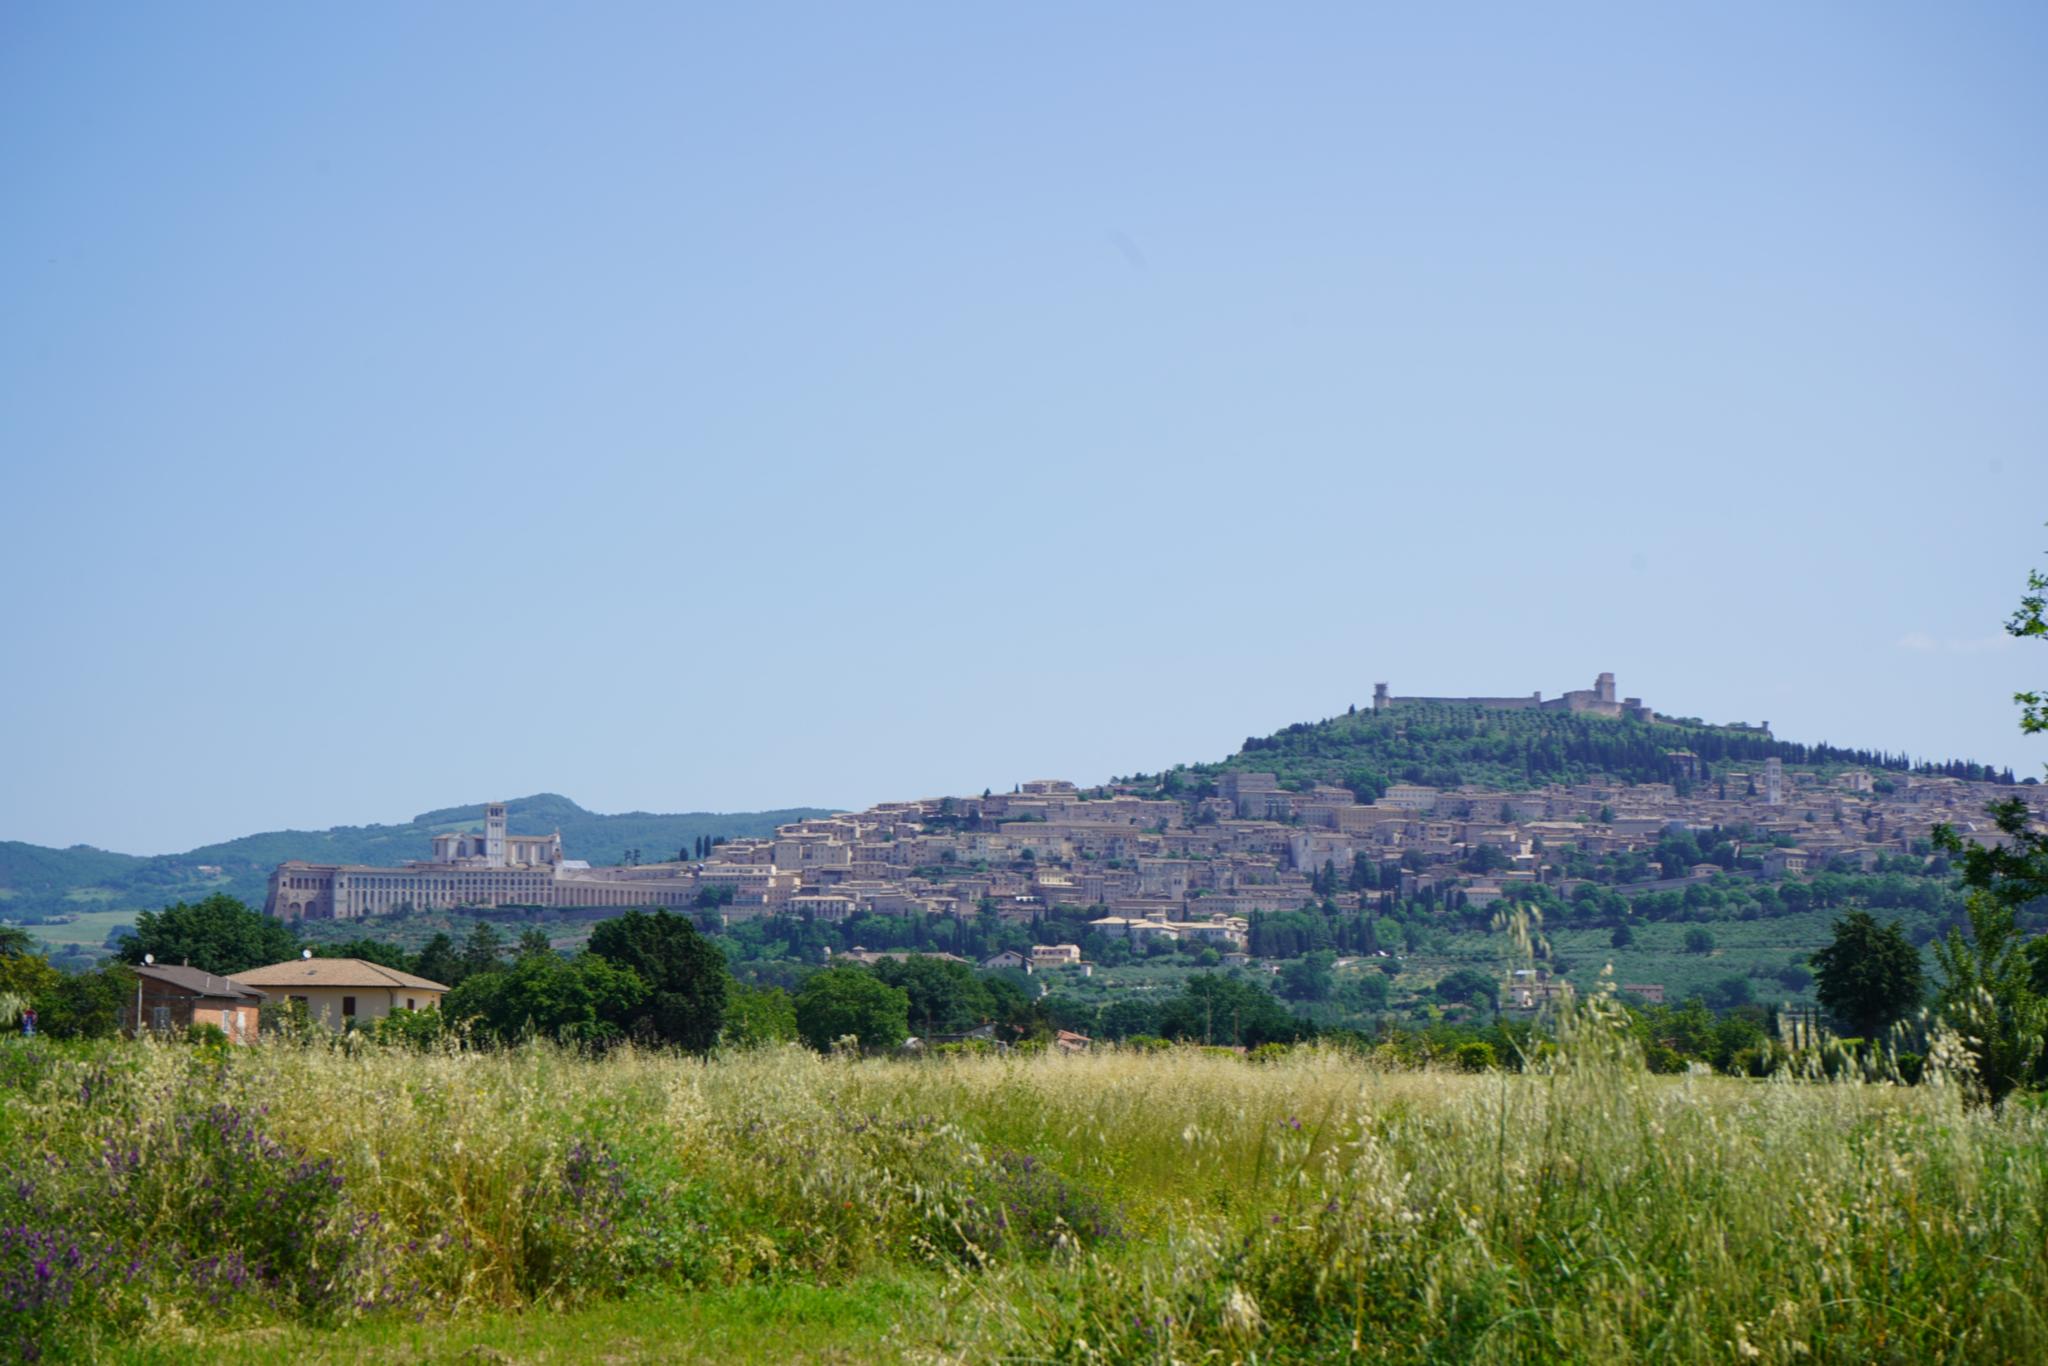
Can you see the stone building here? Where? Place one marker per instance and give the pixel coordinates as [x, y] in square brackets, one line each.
[471, 870]
[171, 998]
[1598, 700]
[340, 992]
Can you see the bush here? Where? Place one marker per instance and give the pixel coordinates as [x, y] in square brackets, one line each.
[1476, 1056]
[1663, 1059]
[419, 1029]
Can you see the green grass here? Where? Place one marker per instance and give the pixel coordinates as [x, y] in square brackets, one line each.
[767, 1322]
[89, 929]
[538, 1205]
[1757, 949]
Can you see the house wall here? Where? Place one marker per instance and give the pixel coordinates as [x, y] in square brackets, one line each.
[324, 1004]
[167, 1009]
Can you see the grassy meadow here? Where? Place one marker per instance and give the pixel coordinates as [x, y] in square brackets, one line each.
[328, 1202]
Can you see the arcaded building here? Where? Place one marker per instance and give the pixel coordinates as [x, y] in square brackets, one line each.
[470, 870]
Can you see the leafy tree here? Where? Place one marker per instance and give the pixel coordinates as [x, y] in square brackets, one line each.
[686, 976]
[1622, 937]
[1364, 992]
[2028, 623]
[843, 1001]
[2014, 871]
[1699, 941]
[945, 997]
[1469, 984]
[1987, 993]
[1869, 976]
[1728, 993]
[1486, 858]
[1122, 1018]
[533, 940]
[1309, 977]
[16, 942]
[1213, 1009]
[755, 1016]
[480, 950]
[585, 998]
[86, 1005]
[439, 962]
[27, 977]
[218, 935]
[1989, 986]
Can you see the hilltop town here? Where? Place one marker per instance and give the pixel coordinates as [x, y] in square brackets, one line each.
[1196, 855]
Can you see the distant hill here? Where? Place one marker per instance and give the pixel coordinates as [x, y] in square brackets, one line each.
[36, 883]
[1447, 746]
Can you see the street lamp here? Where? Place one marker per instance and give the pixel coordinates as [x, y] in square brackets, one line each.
[148, 959]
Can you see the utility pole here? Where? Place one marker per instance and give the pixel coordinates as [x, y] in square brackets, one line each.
[148, 959]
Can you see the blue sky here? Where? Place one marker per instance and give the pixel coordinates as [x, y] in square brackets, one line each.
[743, 406]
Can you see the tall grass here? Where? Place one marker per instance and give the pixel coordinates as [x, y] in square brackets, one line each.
[1120, 1206]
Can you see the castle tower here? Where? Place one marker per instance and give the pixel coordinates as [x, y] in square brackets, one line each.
[494, 835]
[1774, 783]
[1604, 688]
[1379, 697]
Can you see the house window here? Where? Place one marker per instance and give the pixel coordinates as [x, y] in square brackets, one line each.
[160, 1018]
[409, 1004]
[348, 1007]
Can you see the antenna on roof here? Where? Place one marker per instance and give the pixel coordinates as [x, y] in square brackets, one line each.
[149, 959]
[305, 953]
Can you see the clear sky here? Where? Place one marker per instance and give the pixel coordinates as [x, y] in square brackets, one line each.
[734, 406]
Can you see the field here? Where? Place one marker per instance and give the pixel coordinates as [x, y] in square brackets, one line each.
[1755, 949]
[165, 1202]
[89, 930]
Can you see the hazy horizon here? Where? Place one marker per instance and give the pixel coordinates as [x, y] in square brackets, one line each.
[733, 410]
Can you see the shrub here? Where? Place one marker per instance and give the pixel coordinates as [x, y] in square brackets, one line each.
[1476, 1056]
[206, 1036]
[1663, 1059]
[418, 1029]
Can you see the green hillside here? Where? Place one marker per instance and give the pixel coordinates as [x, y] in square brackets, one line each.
[1446, 746]
[38, 884]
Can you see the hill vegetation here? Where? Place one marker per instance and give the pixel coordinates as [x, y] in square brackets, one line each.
[1448, 746]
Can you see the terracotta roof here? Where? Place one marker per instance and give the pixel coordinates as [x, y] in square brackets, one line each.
[333, 972]
[198, 983]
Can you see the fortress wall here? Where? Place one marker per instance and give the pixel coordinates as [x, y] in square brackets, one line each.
[1491, 703]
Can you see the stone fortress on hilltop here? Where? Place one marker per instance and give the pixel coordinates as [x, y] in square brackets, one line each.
[1597, 700]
